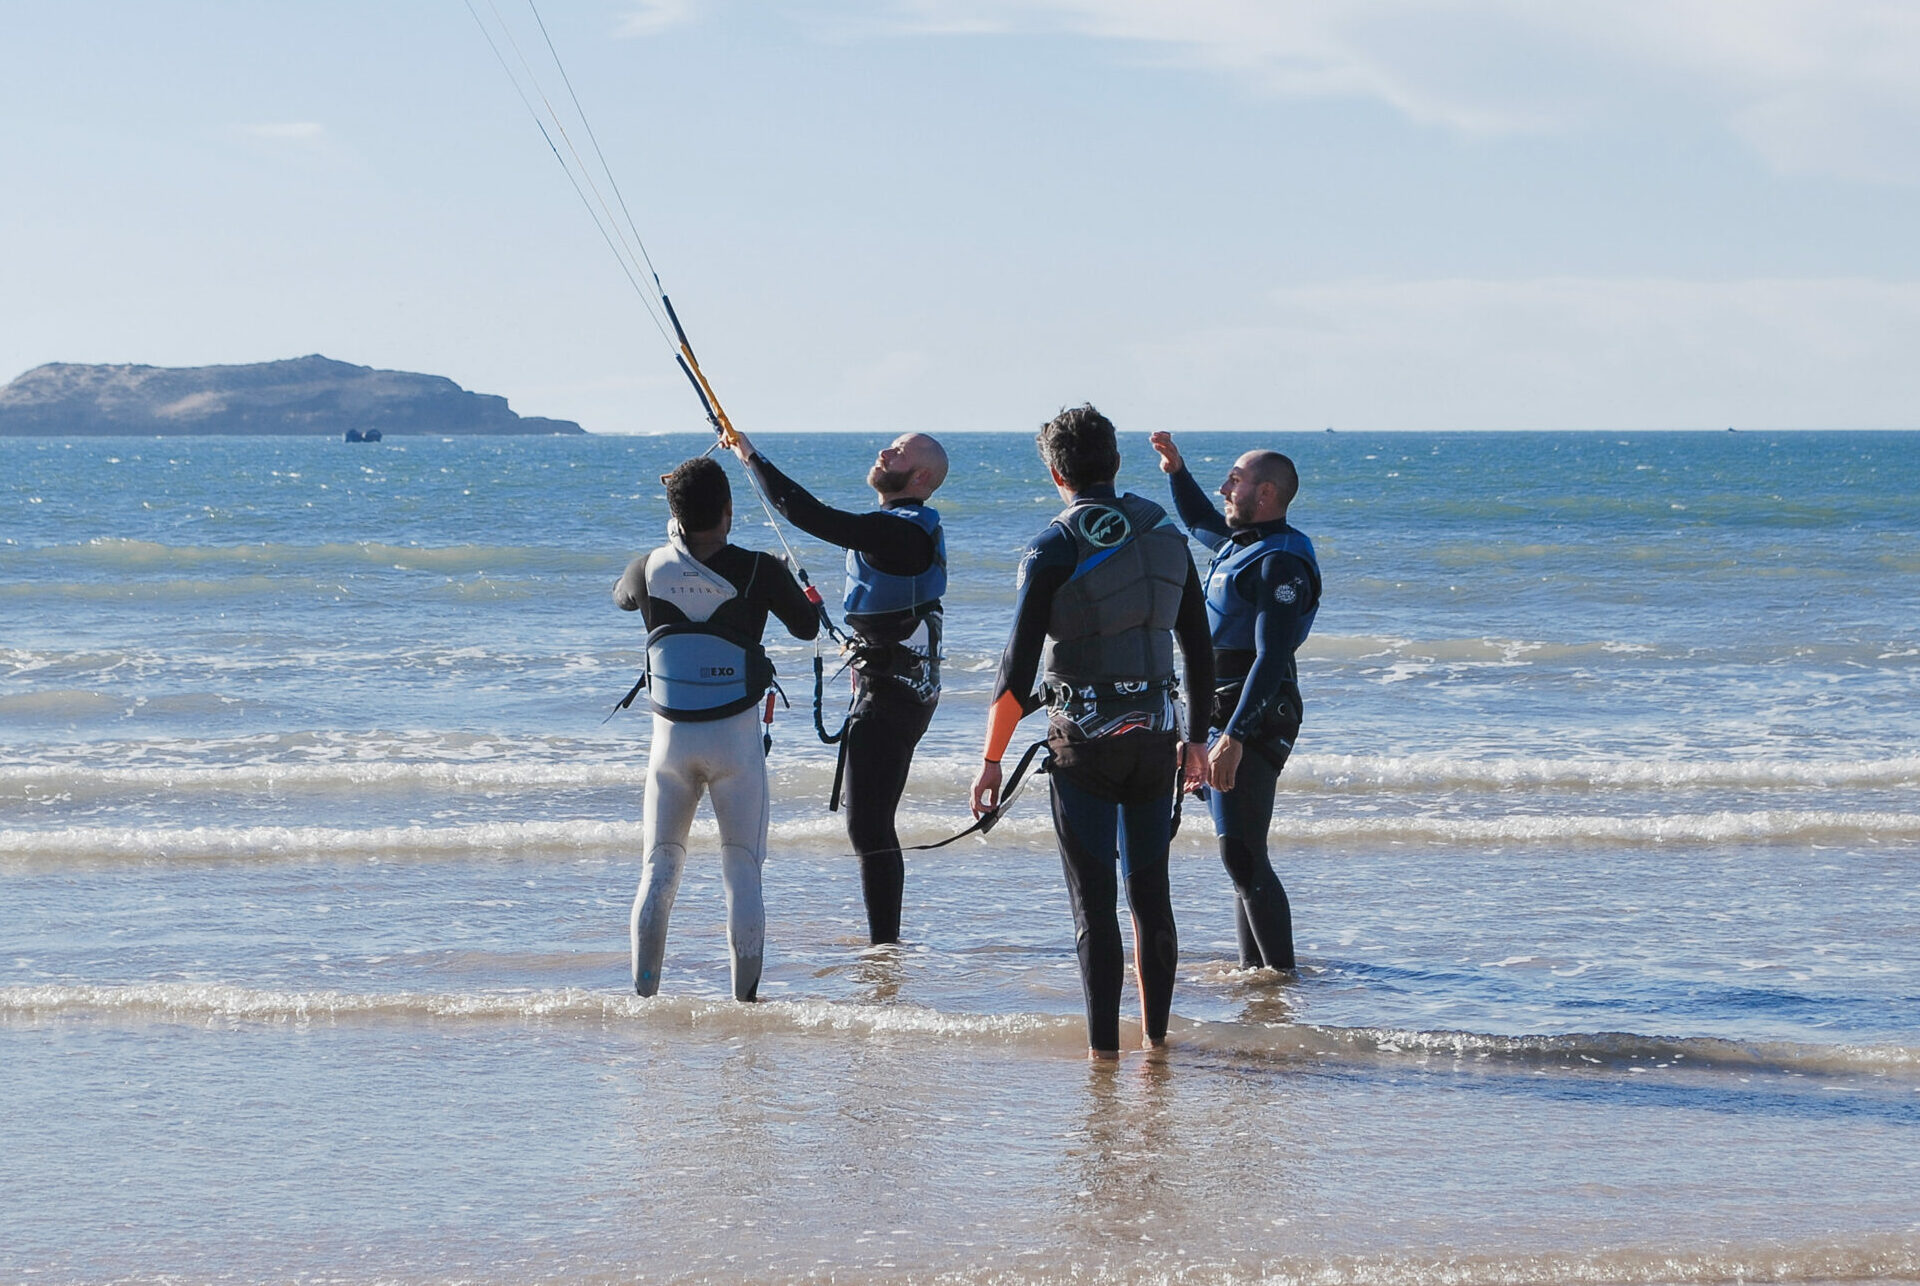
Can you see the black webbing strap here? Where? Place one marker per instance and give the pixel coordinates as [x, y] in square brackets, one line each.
[627, 700]
[992, 816]
[839, 772]
[1179, 786]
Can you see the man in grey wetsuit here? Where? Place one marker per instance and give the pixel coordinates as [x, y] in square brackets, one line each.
[1263, 589]
[705, 603]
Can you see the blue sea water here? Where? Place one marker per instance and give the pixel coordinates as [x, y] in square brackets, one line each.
[1602, 838]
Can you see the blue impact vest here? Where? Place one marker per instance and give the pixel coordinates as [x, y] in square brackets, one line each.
[697, 672]
[873, 593]
[1230, 617]
[697, 668]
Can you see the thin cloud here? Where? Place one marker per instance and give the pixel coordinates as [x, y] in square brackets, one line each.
[651, 17]
[1810, 86]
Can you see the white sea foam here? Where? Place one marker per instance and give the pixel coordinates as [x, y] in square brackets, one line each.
[1414, 657]
[369, 768]
[1362, 772]
[218, 1001]
[282, 842]
[824, 833]
[333, 775]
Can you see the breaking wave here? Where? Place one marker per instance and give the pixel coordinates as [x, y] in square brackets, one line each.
[1575, 1051]
[1306, 774]
[824, 834]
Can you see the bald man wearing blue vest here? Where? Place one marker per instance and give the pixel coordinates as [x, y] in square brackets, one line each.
[1263, 589]
[896, 573]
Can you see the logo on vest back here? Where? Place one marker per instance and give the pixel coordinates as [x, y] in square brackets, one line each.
[716, 672]
[1103, 528]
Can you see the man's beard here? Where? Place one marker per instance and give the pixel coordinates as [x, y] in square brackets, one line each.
[888, 484]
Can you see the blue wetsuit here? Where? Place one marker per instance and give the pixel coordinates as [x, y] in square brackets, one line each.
[1256, 701]
[1112, 771]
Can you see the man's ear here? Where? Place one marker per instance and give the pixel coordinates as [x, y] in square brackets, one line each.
[1058, 481]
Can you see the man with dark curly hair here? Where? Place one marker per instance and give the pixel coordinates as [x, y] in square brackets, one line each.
[1101, 595]
[705, 602]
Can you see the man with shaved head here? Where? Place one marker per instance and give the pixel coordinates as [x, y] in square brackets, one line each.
[896, 573]
[1263, 588]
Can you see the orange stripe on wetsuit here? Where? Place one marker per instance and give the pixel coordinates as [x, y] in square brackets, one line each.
[1003, 716]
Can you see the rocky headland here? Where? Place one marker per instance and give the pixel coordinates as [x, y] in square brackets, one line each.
[298, 396]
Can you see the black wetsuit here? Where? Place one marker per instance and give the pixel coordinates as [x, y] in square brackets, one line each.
[1112, 791]
[888, 716]
[1257, 701]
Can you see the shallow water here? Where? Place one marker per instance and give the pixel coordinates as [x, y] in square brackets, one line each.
[1601, 839]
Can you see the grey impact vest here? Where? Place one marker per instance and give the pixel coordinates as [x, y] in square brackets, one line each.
[1110, 635]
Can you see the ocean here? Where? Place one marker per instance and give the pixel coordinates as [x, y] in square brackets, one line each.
[1602, 838]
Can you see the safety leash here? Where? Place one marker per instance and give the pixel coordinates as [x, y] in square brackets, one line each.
[820, 698]
[991, 818]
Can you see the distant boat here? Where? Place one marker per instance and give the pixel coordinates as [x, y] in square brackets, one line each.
[355, 435]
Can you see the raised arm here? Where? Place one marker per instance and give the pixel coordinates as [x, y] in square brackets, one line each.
[1197, 512]
[892, 546]
[1189, 498]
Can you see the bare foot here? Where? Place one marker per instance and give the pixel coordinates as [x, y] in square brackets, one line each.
[1103, 1055]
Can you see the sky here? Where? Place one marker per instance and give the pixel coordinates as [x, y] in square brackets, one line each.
[892, 215]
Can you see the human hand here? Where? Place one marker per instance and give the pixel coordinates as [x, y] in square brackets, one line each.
[742, 447]
[1224, 762]
[1193, 766]
[1170, 458]
[986, 789]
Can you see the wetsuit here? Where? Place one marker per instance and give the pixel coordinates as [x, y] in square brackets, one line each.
[706, 677]
[1263, 589]
[896, 572]
[1102, 593]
